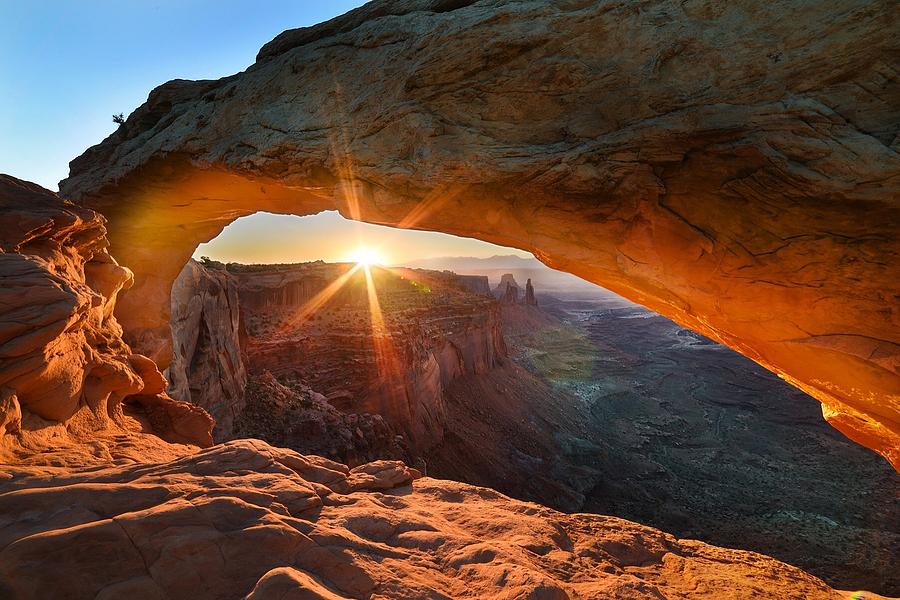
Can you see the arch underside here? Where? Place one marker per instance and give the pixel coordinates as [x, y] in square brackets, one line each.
[665, 154]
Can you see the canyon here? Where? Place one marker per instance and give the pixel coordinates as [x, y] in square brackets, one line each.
[628, 414]
[678, 432]
[375, 341]
[95, 499]
[388, 342]
[733, 167]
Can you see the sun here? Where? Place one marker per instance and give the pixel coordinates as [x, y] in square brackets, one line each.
[366, 256]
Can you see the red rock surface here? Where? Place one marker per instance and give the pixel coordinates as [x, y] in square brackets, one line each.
[731, 165]
[245, 518]
[93, 507]
[64, 369]
[207, 367]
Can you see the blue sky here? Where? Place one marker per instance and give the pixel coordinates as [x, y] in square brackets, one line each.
[66, 67]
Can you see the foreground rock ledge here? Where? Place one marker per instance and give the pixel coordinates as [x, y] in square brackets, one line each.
[732, 165]
[246, 519]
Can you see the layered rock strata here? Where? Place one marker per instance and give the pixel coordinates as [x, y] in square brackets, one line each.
[731, 165]
[390, 349]
[64, 369]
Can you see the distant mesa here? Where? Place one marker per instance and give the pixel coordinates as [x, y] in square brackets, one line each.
[507, 291]
[502, 291]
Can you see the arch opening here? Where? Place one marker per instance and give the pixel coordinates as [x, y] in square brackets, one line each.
[808, 330]
[577, 398]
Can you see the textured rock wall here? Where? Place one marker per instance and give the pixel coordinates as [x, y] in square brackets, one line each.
[64, 369]
[731, 165]
[207, 365]
[400, 376]
[288, 293]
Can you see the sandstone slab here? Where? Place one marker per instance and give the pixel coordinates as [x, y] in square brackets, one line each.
[244, 518]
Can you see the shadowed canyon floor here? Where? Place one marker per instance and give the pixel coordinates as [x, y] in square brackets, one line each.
[688, 436]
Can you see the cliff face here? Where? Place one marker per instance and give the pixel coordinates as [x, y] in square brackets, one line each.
[477, 284]
[64, 370]
[428, 329]
[731, 165]
[207, 365]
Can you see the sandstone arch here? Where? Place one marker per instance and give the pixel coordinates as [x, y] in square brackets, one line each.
[731, 165]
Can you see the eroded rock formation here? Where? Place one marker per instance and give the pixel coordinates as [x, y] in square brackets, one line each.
[94, 507]
[507, 281]
[731, 165]
[64, 369]
[530, 300]
[207, 365]
[428, 329]
[510, 295]
[246, 519]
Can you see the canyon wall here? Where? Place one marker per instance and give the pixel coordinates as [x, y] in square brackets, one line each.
[732, 165]
[207, 366]
[65, 372]
[400, 368]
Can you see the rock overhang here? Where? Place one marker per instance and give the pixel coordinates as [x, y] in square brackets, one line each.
[715, 162]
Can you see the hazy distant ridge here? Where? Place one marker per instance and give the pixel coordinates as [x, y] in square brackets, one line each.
[454, 263]
[545, 279]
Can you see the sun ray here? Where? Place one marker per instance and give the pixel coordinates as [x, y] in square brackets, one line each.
[433, 201]
[339, 146]
[386, 359]
[319, 300]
